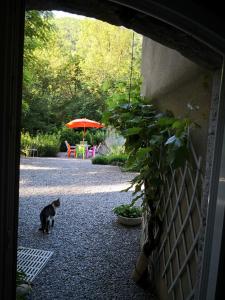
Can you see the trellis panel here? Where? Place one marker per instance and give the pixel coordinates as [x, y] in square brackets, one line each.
[177, 254]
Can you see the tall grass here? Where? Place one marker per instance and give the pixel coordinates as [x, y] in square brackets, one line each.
[46, 144]
[116, 156]
[110, 159]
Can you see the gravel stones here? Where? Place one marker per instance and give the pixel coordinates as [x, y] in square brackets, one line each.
[94, 256]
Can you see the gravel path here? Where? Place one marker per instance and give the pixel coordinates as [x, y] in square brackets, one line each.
[93, 255]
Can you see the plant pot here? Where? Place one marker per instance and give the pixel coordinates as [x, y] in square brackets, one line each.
[129, 221]
[23, 289]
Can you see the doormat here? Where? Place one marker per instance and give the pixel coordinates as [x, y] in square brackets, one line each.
[32, 261]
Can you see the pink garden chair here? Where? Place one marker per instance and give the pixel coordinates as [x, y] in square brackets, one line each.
[91, 152]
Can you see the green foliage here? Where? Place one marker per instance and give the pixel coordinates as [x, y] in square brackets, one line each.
[36, 114]
[117, 149]
[128, 211]
[37, 28]
[97, 137]
[106, 47]
[73, 68]
[155, 141]
[100, 160]
[117, 159]
[20, 280]
[119, 92]
[20, 277]
[46, 144]
[110, 159]
[71, 136]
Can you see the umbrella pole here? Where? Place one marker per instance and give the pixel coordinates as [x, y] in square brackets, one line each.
[84, 134]
[83, 141]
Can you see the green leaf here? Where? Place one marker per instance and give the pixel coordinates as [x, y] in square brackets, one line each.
[180, 156]
[156, 139]
[165, 122]
[128, 210]
[137, 188]
[136, 198]
[131, 131]
[142, 152]
[178, 124]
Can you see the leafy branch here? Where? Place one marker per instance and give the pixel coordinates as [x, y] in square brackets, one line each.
[155, 142]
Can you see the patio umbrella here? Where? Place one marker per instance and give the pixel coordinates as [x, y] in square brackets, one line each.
[84, 123]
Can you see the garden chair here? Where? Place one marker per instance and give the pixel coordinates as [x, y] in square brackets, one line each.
[80, 150]
[70, 149]
[91, 152]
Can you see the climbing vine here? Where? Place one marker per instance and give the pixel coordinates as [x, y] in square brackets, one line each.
[155, 141]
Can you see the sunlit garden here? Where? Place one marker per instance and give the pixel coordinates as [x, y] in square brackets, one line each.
[73, 68]
[76, 70]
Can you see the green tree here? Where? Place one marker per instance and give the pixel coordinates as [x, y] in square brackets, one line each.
[38, 27]
[79, 69]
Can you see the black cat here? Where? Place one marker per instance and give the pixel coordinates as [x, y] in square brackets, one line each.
[48, 214]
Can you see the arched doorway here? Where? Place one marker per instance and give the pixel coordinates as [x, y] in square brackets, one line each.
[194, 30]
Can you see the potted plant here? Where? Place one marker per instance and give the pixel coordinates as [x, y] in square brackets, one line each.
[128, 214]
[23, 287]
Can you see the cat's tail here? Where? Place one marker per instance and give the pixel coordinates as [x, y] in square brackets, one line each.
[41, 229]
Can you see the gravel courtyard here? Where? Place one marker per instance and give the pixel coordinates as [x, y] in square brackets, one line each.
[93, 255]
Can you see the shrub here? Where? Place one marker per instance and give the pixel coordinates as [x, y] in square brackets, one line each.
[20, 277]
[117, 149]
[117, 159]
[110, 159]
[46, 144]
[26, 142]
[100, 160]
[98, 136]
[71, 136]
[128, 211]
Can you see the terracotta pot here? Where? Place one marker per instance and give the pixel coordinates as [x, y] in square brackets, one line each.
[129, 221]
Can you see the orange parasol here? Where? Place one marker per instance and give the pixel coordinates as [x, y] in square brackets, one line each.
[84, 123]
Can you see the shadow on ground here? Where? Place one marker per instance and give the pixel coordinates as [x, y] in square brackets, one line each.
[93, 255]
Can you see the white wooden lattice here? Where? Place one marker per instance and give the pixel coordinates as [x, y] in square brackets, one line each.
[177, 253]
[32, 261]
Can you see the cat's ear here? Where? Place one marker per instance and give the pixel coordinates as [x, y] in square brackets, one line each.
[57, 202]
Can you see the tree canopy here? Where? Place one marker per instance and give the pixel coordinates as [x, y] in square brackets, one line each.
[74, 68]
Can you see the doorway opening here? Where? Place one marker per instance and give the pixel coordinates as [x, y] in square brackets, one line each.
[77, 68]
[10, 155]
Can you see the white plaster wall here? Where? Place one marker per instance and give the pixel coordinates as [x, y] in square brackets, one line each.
[164, 69]
[173, 83]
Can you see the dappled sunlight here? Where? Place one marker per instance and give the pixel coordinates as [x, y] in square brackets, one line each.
[32, 167]
[72, 189]
[89, 244]
[39, 178]
[86, 229]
